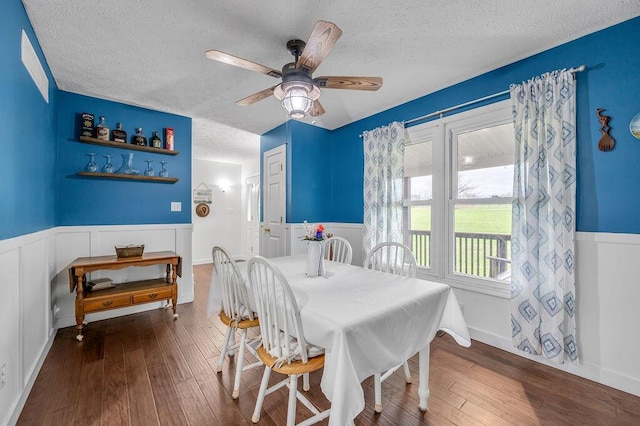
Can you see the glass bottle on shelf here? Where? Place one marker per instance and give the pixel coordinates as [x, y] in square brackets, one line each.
[149, 170]
[119, 135]
[108, 168]
[102, 131]
[163, 172]
[156, 142]
[138, 138]
[91, 166]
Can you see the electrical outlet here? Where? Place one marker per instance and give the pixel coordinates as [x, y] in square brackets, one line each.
[3, 374]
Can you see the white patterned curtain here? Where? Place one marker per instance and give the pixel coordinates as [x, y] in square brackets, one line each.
[383, 184]
[544, 189]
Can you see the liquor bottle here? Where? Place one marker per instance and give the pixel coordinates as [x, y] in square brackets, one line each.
[156, 142]
[87, 124]
[119, 135]
[102, 131]
[138, 138]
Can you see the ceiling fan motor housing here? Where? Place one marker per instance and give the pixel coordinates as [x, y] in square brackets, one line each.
[293, 77]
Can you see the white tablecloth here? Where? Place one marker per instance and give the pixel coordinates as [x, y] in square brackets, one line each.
[368, 322]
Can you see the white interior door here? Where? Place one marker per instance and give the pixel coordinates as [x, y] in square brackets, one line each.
[252, 191]
[274, 191]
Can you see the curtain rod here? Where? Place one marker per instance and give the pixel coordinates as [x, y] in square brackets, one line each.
[475, 101]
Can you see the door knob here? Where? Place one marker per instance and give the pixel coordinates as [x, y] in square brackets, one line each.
[267, 230]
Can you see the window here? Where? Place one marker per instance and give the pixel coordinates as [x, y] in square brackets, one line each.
[418, 187]
[458, 186]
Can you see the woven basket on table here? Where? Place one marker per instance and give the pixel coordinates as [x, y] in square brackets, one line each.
[129, 251]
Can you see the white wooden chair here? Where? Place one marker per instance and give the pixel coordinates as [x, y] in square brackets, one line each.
[236, 314]
[338, 249]
[398, 259]
[284, 348]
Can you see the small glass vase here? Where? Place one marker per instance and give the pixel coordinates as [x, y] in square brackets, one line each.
[315, 259]
[149, 170]
[163, 172]
[127, 165]
[108, 167]
[91, 166]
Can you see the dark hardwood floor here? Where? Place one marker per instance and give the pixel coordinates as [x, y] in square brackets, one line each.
[148, 369]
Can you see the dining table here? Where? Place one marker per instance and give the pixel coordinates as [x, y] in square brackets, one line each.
[367, 321]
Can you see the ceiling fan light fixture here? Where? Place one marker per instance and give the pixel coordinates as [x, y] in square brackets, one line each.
[297, 102]
[296, 96]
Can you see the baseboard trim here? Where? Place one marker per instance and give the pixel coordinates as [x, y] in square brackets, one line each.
[583, 369]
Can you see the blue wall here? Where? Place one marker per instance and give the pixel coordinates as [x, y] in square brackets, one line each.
[86, 201]
[27, 125]
[608, 190]
[308, 169]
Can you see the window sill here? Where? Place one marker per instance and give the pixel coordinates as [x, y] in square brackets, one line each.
[477, 285]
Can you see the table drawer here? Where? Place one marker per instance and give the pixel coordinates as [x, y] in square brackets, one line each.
[102, 303]
[152, 295]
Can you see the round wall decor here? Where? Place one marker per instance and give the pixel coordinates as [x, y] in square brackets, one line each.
[202, 209]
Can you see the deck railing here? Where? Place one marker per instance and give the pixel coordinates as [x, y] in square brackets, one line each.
[477, 254]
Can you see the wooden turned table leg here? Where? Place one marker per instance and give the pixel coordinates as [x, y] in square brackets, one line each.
[80, 306]
[174, 290]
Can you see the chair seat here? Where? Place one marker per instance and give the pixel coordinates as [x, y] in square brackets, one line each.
[295, 367]
[243, 323]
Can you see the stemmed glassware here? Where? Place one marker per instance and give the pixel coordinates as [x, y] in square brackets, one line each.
[163, 172]
[91, 165]
[108, 167]
[149, 170]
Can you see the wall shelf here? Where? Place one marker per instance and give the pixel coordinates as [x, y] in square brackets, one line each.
[124, 145]
[99, 175]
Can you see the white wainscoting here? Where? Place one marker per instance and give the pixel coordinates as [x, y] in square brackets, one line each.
[25, 315]
[36, 299]
[607, 296]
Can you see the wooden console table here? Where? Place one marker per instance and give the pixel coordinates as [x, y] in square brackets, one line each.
[127, 294]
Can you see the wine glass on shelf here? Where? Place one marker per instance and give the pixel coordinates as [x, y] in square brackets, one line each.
[91, 166]
[108, 167]
[149, 170]
[163, 172]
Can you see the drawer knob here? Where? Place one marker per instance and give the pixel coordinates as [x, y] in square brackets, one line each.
[153, 295]
[107, 303]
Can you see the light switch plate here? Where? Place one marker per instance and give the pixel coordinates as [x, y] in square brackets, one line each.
[176, 206]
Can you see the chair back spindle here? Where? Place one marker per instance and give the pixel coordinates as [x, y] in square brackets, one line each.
[338, 249]
[394, 258]
[278, 311]
[235, 300]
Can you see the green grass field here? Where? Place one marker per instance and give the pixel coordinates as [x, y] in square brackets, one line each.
[478, 219]
[489, 219]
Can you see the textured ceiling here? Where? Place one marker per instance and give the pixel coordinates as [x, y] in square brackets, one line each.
[151, 52]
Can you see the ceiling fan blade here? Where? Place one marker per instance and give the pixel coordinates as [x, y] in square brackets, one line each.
[323, 37]
[317, 109]
[252, 99]
[226, 58]
[351, 83]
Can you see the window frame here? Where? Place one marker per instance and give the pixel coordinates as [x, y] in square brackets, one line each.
[443, 202]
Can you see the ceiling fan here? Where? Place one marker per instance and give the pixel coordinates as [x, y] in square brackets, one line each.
[299, 92]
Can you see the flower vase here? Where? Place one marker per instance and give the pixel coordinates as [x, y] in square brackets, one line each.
[315, 259]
